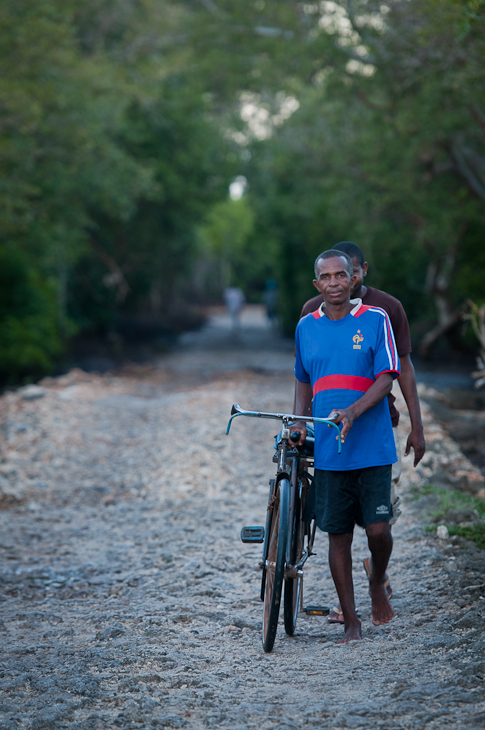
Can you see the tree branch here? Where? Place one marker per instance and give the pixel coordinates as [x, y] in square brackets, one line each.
[475, 185]
[353, 54]
[370, 104]
[210, 6]
[432, 337]
[478, 115]
[116, 277]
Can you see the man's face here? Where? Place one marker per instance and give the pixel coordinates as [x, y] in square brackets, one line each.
[333, 280]
[360, 272]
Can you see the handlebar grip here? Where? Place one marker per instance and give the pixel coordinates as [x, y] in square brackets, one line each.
[295, 436]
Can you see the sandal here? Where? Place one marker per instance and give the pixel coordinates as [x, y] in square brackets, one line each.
[387, 582]
[335, 616]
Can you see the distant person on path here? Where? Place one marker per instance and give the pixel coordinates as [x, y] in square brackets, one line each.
[235, 301]
[270, 299]
[346, 360]
[407, 380]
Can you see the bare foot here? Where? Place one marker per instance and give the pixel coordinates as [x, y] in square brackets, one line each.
[387, 580]
[382, 611]
[353, 633]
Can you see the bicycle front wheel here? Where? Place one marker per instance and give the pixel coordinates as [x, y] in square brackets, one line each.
[294, 586]
[275, 563]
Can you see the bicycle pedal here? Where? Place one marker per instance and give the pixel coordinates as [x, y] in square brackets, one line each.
[252, 534]
[317, 610]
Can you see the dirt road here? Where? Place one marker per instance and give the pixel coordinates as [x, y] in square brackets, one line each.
[128, 600]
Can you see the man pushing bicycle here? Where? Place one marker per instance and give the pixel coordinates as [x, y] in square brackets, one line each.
[346, 360]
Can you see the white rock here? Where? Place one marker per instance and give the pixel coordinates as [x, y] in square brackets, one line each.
[32, 392]
[442, 532]
[4, 485]
[11, 489]
[34, 506]
[70, 392]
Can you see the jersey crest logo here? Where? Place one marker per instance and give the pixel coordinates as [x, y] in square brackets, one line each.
[357, 339]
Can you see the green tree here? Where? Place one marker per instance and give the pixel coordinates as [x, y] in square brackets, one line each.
[224, 244]
[28, 331]
[123, 123]
[109, 156]
[387, 148]
[59, 154]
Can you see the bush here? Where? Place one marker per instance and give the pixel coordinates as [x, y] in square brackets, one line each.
[28, 320]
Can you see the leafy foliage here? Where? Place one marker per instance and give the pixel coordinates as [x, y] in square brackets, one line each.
[475, 533]
[28, 326]
[386, 149]
[231, 253]
[108, 159]
[123, 123]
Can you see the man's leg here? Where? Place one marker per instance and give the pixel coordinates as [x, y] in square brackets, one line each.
[380, 545]
[396, 471]
[395, 477]
[340, 560]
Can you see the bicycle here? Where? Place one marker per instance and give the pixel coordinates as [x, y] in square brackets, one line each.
[286, 532]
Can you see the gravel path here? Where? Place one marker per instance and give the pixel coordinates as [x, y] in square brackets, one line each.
[128, 600]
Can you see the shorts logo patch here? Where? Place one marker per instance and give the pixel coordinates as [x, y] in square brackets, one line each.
[382, 510]
[357, 339]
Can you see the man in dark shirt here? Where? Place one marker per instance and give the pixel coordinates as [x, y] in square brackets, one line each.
[407, 380]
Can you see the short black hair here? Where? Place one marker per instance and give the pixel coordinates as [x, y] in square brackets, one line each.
[352, 250]
[333, 253]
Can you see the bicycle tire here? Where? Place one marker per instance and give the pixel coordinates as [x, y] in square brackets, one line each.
[294, 586]
[275, 564]
[267, 531]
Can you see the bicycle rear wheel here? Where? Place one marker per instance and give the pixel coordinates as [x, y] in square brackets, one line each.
[275, 563]
[294, 586]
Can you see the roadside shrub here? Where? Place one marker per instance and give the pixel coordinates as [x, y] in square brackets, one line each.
[28, 320]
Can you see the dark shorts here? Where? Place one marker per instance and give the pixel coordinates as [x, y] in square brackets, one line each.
[342, 499]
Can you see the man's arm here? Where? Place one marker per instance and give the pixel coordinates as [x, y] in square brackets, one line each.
[302, 407]
[379, 389]
[407, 382]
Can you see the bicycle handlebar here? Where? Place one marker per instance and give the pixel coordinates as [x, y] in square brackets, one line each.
[236, 410]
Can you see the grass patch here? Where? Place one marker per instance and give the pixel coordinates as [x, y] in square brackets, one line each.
[475, 533]
[452, 500]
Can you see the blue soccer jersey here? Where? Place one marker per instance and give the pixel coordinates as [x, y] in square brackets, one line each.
[341, 359]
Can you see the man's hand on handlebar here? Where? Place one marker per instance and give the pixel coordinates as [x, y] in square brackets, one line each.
[345, 417]
[299, 427]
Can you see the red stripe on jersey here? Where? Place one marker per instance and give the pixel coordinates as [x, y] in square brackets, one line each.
[342, 382]
[316, 314]
[393, 372]
[363, 308]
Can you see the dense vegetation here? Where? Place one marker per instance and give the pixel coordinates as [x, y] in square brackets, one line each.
[125, 121]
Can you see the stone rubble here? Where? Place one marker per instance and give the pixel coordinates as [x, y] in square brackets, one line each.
[444, 463]
[128, 600]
